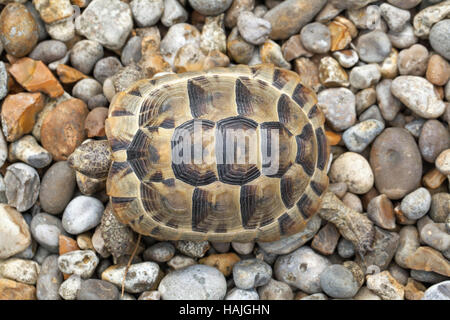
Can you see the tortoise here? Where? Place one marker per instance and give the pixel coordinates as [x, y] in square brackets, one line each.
[262, 169]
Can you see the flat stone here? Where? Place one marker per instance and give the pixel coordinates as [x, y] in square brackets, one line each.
[94, 289]
[22, 186]
[385, 286]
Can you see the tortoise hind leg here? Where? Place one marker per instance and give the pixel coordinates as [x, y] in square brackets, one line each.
[92, 159]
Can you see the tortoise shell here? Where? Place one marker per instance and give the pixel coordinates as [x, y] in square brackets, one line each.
[263, 158]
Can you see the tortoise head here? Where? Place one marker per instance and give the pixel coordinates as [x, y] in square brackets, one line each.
[92, 158]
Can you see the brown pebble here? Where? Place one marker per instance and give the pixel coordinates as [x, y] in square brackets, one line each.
[414, 290]
[94, 125]
[12, 290]
[293, 48]
[433, 179]
[428, 259]
[68, 74]
[215, 59]
[367, 197]
[438, 71]
[63, 128]
[326, 240]
[340, 36]
[67, 244]
[309, 72]
[223, 261]
[381, 211]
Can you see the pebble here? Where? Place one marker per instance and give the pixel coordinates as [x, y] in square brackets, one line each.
[15, 236]
[443, 162]
[353, 202]
[439, 38]
[271, 53]
[53, 11]
[28, 150]
[68, 74]
[275, 290]
[86, 89]
[46, 230]
[62, 31]
[316, 37]
[413, 61]
[374, 47]
[338, 105]
[12, 290]
[49, 51]
[180, 262]
[57, 187]
[22, 186]
[359, 136]
[159, 252]
[438, 291]
[331, 74]
[146, 13]
[85, 54]
[366, 18]
[389, 67]
[194, 249]
[253, 29]
[243, 248]
[189, 58]
[209, 8]
[251, 273]
[20, 270]
[290, 16]
[94, 124]
[397, 163]
[435, 235]
[223, 262]
[81, 214]
[381, 211]
[146, 295]
[235, 9]
[18, 30]
[415, 127]
[440, 207]
[338, 282]
[68, 290]
[213, 37]
[97, 101]
[416, 204]
[438, 70]
[41, 254]
[341, 33]
[176, 37]
[94, 289]
[365, 294]
[394, 17]
[315, 296]
[221, 247]
[99, 244]
[241, 294]
[409, 242]
[346, 58]
[384, 247]
[326, 240]
[131, 52]
[238, 49]
[140, 277]
[385, 286]
[365, 76]
[18, 114]
[106, 67]
[4, 78]
[354, 170]
[173, 13]
[80, 262]
[301, 269]
[49, 280]
[428, 259]
[345, 248]
[67, 244]
[372, 113]
[197, 282]
[418, 94]
[63, 128]
[434, 138]
[427, 276]
[109, 22]
[404, 38]
[289, 244]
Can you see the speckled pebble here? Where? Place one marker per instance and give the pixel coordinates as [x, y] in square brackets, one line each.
[80, 262]
[251, 273]
[81, 214]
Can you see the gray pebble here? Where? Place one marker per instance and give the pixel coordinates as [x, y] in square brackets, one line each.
[394, 17]
[338, 282]
[374, 47]
[405, 4]
[28, 150]
[346, 58]
[359, 136]
[69, 288]
[84, 54]
[210, 8]
[408, 244]
[243, 248]
[415, 127]
[404, 38]
[94, 289]
[146, 13]
[365, 76]
[46, 229]
[62, 31]
[439, 39]
[81, 214]
[427, 276]
[434, 138]
[221, 247]
[159, 252]
[194, 249]
[372, 113]
[41, 254]
[439, 291]
[49, 51]
[316, 37]
[435, 235]
[22, 186]
[3, 80]
[80, 262]
[251, 273]
[315, 296]
[197, 282]
[345, 248]
[241, 294]
[49, 280]
[87, 88]
[253, 29]
[413, 61]
[106, 67]
[440, 207]
[416, 204]
[131, 52]
[338, 105]
[97, 101]
[400, 274]
[384, 247]
[389, 105]
[173, 13]
[275, 290]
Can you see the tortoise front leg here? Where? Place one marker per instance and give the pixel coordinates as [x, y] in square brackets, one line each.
[92, 159]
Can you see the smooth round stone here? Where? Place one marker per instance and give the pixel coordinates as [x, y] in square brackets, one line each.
[243, 247]
[140, 277]
[131, 52]
[81, 214]
[405, 4]
[396, 161]
[394, 17]
[69, 288]
[80, 262]
[346, 58]
[353, 202]
[84, 54]
[86, 89]
[374, 47]
[413, 61]
[434, 138]
[57, 187]
[316, 37]
[22, 186]
[365, 76]
[345, 248]
[241, 294]
[295, 241]
[105, 68]
[418, 94]
[435, 235]
[404, 38]
[146, 13]
[197, 282]
[49, 51]
[359, 136]
[251, 273]
[301, 269]
[173, 13]
[98, 101]
[221, 247]
[439, 291]
[439, 38]
[440, 207]
[210, 8]
[159, 252]
[254, 30]
[49, 280]
[427, 276]
[46, 229]
[408, 244]
[354, 170]
[338, 282]
[275, 290]
[338, 105]
[94, 289]
[3, 84]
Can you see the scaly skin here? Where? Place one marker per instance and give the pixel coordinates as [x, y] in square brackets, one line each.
[92, 159]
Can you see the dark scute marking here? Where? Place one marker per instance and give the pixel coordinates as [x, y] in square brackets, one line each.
[304, 155]
[117, 144]
[304, 205]
[172, 224]
[169, 182]
[248, 205]
[122, 200]
[299, 95]
[118, 167]
[155, 231]
[198, 97]
[121, 113]
[200, 209]
[317, 188]
[221, 228]
[313, 112]
[168, 123]
[191, 176]
[243, 99]
[284, 111]
[278, 80]
[156, 177]
[254, 70]
[237, 175]
[322, 149]
[135, 92]
[285, 222]
[287, 194]
[266, 222]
